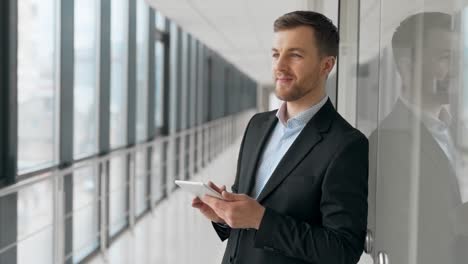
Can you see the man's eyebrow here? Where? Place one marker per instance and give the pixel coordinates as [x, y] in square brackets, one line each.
[290, 50]
[296, 49]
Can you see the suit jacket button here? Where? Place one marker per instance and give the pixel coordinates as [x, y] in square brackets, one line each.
[269, 248]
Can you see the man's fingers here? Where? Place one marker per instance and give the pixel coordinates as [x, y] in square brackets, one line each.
[213, 202]
[233, 196]
[197, 203]
[215, 187]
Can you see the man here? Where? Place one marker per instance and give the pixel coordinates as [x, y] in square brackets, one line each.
[418, 157]
[300, 193]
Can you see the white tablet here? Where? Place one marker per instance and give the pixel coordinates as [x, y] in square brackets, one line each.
[198, 188]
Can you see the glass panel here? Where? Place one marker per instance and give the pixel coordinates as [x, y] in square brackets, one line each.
[119, 54]
[157, 171]
[85, 83]
[348, 55]
[367, 93]
[35, 223]
[183, 77]
[118, 195]
[159, 83]
[141, 183]
[422, 193]
[142, 70]
[85, 212]
[37, 80]
[160, 21]
[174, 77]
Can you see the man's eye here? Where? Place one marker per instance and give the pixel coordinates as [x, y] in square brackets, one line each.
[275, 55]
[296, 55]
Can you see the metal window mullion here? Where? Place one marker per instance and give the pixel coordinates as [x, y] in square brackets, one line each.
[63, 186]
[131, 108]
[103, 213]
[173, 80]
[151, 76]
[151, 129]
[131, 71]
[8, 127]
[166, 79]
[104, 120]
[193, 82]
[9, 91]
[131, 189]
[201, 84]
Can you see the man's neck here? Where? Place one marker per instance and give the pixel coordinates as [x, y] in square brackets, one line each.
[427, 108]
[295, 107]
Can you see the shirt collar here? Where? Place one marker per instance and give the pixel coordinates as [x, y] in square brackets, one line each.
[431, 122]
[300, 119]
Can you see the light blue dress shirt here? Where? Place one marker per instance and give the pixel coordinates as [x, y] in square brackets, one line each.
[282, 137]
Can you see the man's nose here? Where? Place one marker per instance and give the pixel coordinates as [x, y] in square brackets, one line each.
[280, 64]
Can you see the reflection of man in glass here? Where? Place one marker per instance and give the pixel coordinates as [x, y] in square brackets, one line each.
[417, 155]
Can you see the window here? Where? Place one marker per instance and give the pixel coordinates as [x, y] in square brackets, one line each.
[142, 70]
[160, 71]
[85, 213]
[119, 58]
[158, 171]
[85, 78]
[141, 183]
[37, 82]
[118, 194]
[35, 223]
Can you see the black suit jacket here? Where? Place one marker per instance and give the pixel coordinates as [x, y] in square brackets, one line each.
[315, 200]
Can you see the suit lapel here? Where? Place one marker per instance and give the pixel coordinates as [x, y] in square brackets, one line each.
[309, 137]
[263, 132]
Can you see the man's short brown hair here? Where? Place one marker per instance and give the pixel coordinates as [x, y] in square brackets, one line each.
[326, 34]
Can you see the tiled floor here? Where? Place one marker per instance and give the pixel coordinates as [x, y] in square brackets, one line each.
[175, 233]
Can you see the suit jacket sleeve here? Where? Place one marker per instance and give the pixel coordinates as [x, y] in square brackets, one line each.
[343, 206]
[222, 230]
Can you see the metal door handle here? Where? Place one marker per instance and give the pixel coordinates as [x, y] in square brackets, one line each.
[382, 258]
[368, 246]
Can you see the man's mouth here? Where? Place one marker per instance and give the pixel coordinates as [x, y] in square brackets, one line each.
[283, 80]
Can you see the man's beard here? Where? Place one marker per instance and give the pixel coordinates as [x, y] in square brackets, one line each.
[293, 93]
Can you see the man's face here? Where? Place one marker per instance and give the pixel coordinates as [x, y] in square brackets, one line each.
[297, 66]
[438, 72]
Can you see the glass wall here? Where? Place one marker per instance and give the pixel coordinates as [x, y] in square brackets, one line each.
[411, 102]
[37, 84]
[142, 71]
[85, 214]
[159, 54]
[86, 77]
[118, 193]
[160, 68]
[119, 73]
[35, 224]
[141, 183]
[87, 172]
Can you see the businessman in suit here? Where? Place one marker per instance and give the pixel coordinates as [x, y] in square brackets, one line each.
[300, 193]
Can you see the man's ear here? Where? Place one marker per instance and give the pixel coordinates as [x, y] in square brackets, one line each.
[404, 67]
[327, 64]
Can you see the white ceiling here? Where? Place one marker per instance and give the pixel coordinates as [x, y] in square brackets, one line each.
[240, 30]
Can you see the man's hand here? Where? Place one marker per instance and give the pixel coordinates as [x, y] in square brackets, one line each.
[237, 210]
[205, 209]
